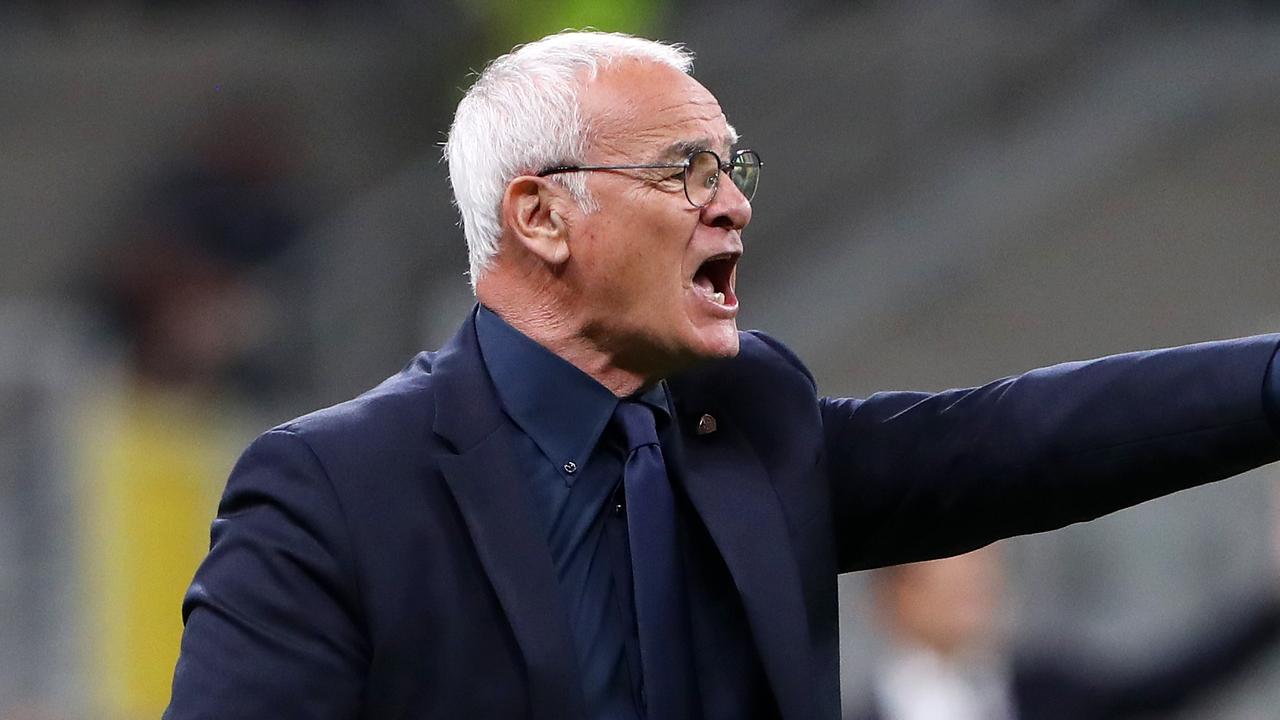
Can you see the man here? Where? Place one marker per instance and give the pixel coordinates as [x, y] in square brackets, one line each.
[947, 657]
[599, 500]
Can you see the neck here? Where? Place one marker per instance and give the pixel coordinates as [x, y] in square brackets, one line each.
[541, 318]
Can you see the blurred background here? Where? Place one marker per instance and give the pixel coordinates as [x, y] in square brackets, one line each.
[217, 215]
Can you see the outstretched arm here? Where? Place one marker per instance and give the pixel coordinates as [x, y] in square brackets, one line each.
[917, 476]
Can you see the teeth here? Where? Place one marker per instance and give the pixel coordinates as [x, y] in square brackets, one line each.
[718, 298]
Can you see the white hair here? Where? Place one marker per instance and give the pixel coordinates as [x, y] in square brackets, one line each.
[522, 115]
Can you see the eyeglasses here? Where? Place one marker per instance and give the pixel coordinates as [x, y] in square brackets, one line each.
[700, 173]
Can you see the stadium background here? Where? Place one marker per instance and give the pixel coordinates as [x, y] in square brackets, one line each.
[217, 215]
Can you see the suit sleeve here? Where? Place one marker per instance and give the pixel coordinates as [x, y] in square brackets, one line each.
[1273, 391]
[271, 617]
[916, 475]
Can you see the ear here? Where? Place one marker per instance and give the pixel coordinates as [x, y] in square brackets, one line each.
[533, 212]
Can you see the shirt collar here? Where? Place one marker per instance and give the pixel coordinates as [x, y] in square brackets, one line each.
[561, 408]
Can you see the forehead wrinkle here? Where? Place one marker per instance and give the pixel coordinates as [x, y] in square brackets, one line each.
[700, 135]
[696, 102]
[665, 120]
[647, 118]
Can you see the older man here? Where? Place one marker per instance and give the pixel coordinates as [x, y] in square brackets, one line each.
[600, 500]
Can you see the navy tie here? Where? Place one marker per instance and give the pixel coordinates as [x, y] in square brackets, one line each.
[662, 616]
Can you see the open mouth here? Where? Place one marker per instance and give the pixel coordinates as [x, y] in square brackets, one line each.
[714, 279]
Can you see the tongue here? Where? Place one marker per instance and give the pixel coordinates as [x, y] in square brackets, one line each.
[704, 283]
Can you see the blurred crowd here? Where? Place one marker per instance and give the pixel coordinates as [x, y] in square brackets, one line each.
[946, 652]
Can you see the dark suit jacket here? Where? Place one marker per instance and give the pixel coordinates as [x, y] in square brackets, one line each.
[376, 559]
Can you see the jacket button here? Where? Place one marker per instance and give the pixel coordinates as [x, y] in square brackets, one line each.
[706, 425]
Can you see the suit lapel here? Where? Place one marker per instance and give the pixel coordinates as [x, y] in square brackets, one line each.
[484, 480]
[732, 493]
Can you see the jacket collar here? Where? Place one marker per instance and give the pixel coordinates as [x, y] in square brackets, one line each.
[560, 407]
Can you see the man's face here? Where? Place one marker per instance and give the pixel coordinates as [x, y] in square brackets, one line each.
[655, 274]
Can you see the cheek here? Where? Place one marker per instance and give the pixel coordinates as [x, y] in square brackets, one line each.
[637, 259]
[615, 279]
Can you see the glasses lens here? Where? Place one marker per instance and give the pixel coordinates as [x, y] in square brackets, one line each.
[745, 172]
[701, 177]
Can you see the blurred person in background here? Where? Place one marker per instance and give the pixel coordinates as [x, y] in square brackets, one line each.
[191, 318]
[947, 655]
[599, 499]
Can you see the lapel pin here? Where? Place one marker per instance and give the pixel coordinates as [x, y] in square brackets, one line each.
[706, 425]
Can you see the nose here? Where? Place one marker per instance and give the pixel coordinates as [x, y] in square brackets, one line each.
[729, 208]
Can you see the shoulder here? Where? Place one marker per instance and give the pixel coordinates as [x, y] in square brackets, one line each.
[765, 379]
[389, 417]
[760, 359]
[759, 347]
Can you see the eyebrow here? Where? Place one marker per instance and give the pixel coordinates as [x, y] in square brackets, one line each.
[684, 148]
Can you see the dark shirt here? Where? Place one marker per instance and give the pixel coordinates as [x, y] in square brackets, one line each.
[574, 464]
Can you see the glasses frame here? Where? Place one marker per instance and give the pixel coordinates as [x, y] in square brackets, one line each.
[726, 167]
